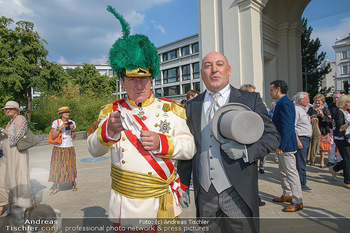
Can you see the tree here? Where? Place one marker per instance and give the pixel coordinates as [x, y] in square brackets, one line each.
[23, 63]
[311, 61]
[91, 82]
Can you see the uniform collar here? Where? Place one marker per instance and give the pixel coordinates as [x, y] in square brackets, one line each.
[145, 103]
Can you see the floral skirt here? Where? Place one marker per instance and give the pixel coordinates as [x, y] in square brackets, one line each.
[325, 142]
[63, 168]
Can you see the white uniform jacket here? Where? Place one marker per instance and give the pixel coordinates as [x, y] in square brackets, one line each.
[165, 117]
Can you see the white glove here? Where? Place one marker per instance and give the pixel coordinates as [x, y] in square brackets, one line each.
[233, 149]
[129, 122]
[185, 199]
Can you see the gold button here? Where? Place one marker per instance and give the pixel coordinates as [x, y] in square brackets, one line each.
[157, 115]
[123, 138]
[123, 161]
[158, 106]
[159, 100]
[150, 173]
[123, 150]
[156, 125]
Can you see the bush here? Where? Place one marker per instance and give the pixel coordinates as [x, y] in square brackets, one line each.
[85, 110]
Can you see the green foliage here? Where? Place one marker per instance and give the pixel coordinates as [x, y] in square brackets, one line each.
[91, 82]
[45, 108]
[311, 62]
[23, 64]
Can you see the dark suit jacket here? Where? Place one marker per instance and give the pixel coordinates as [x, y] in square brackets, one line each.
[284, 120]
[243, 176]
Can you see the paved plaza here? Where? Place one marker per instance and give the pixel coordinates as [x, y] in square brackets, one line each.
[326, 208]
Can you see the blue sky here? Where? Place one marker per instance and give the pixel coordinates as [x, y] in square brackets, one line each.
[82, 31]
[329, 20]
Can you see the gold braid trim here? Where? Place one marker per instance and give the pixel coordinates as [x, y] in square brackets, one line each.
[178, 109]
[139, 185]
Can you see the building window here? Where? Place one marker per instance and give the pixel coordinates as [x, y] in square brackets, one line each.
[158, 80]
[170, 55]
[110, 73]
[165, 56]
[195, 48]
[102, 72]
[171, 75]
[196, 73]
[186, 72]
[169, 91]
[345, 55]
[186, 88]
[185, 50]
[158, 92]
[345, 69]
[197, 86]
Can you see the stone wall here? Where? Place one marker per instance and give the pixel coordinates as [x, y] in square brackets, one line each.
[43, 137]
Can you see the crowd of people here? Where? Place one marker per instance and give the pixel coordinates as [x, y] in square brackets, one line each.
[146, 135]
[15, 186]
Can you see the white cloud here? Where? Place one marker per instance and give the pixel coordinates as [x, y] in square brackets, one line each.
[158, 26]
[13, 9]
[328, 36]
[80, 30]
[99, 61]
[62, 61]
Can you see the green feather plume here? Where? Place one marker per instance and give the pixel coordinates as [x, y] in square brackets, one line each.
[131, 52]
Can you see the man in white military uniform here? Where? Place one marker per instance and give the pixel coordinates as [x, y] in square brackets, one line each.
[144, 135]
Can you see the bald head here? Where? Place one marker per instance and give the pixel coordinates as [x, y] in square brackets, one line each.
[215, 71]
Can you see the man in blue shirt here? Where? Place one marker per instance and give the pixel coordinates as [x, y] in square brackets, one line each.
[284, 120]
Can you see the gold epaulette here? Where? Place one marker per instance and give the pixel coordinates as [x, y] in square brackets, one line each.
[105, 111]
[178, 109]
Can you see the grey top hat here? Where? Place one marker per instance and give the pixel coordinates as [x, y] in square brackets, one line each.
[237, 122]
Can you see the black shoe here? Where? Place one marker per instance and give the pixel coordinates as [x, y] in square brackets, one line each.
[330, 164]
[306, 189]
[262, 203]
[261, 171]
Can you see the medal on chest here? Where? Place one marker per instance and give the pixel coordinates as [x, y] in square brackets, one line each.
[166, 108]
[141, 114]
[164, 127]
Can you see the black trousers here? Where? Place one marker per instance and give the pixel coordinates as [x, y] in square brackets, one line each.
[344, 149]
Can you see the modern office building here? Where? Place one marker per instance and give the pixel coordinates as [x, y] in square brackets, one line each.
[342, 63]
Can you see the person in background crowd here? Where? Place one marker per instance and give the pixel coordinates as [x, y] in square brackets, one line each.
[191, 94]
[284, 120]
[248, 87]
[15, 187]
[303, 129]
[342, 128]
[325, 125]
[63, 161]
[225, 176]
[334, 150]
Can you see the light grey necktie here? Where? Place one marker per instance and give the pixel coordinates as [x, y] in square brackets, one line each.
[214, 105]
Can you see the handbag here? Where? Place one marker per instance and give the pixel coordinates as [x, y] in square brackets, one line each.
[57, 140]
[27, 141]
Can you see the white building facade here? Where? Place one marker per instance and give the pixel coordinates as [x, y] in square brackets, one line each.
[342, 63]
